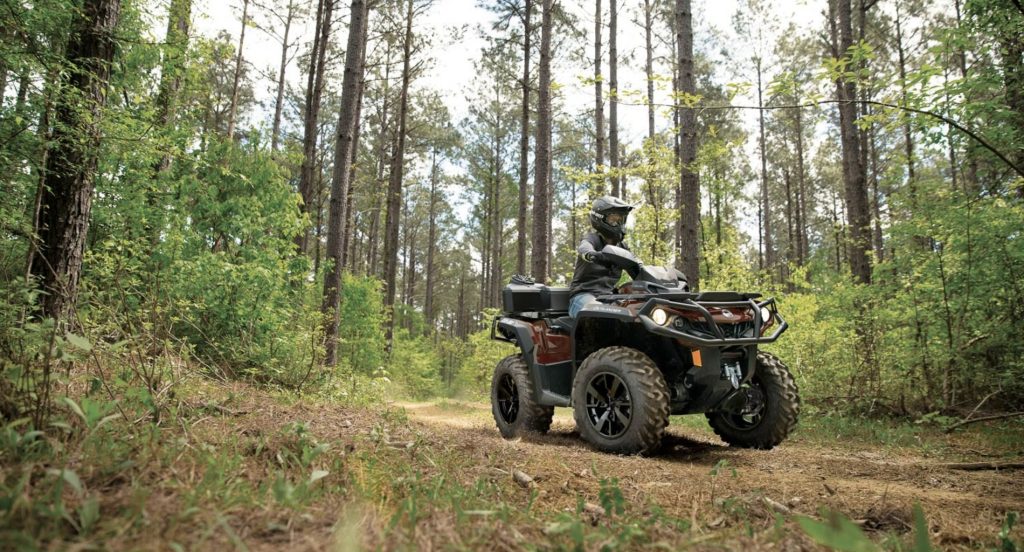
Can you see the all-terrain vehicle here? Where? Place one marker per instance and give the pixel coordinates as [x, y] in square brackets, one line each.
[631, 358]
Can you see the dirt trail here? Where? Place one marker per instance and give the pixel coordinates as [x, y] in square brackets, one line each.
[876, 488]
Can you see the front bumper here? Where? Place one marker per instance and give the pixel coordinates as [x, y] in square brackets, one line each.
[715, 336]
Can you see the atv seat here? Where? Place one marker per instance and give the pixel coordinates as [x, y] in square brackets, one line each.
[563, 324]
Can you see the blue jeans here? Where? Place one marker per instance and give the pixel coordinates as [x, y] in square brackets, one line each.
[578, 301]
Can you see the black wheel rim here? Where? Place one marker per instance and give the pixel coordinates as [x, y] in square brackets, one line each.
[749, 418]
[508, 398]
[609, 406]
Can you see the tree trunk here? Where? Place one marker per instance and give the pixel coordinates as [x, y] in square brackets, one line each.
[598, 99]
[769, 246]
[347, 258]
[801, 220]
[689, 220]
[524, 142]
[854, 177]
[311, 122]
[428, 300]
[233, 109]
[275, 133]
[348, 124]
[394, 197]
[373, 237]
[496, 219]
[66, 198]
[179, 16]
[649, 64]
[908, 137]
[613, 97]
[542, 162]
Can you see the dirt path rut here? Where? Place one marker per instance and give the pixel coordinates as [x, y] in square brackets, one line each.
[875, 487]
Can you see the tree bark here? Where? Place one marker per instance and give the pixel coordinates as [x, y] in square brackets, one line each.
[542, 162]
[66, 197]
[524, 142]
[801, 220]
[275, 133]
[311, 122]
[179, 16]
[233, 109]
[908, 137]
[689, 220]
[769, 245]
[598, 99]
[613, 97]
[346, 237]
[340, 182]
[394, 193]
[428, 300]
[854, 177]
[497, 219]
[649, 64]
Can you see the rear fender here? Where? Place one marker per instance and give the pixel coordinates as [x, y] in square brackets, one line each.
[551, 383]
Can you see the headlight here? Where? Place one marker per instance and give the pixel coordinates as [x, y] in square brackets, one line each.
[659, 316]
[766, 315]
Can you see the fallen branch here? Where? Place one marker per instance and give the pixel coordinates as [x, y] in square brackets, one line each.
[983, 419]
[980, 466]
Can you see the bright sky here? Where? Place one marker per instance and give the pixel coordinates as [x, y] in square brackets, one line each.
[453, 61]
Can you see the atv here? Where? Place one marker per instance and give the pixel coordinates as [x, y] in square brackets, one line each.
[629, 359]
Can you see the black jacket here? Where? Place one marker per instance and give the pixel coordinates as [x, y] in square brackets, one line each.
[593, 277]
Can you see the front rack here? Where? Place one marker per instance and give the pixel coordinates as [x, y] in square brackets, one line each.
[720, 338]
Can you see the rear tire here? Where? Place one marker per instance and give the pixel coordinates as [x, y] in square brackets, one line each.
[620, 401]
[776, 419]
[515, 411]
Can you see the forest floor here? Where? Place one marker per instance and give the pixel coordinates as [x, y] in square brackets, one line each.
[244, 469]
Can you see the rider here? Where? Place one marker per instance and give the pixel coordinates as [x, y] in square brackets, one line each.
[595, 274]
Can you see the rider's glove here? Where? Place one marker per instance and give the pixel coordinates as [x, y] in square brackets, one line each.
[598, 257]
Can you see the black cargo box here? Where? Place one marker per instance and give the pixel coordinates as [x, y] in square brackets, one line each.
[534, 298]
[521, 298]
[555, 298]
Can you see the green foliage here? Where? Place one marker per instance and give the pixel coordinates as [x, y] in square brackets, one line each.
[475, 375]
[361, 334]
[837, 532]
[1006, 542]
[416, 366]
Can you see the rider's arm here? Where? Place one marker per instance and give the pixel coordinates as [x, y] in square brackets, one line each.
[589, 253]
[586, 250]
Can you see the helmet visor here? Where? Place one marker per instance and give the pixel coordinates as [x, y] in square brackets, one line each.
[615, 219]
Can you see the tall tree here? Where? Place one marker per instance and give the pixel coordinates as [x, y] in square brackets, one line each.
[179, 17]
[598, 97]
[542, 160]
[765, 206]
[524, 140]
[348, 124]
[689, 184]
[67, 185]
[394, 192]
[285, 20]
[311, 120]
[854, 171]
[613, 96]
[649, 63]
[233, 109]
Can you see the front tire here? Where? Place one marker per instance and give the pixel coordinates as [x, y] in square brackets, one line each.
[620, 401]
[773, 422]
[512, 404]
